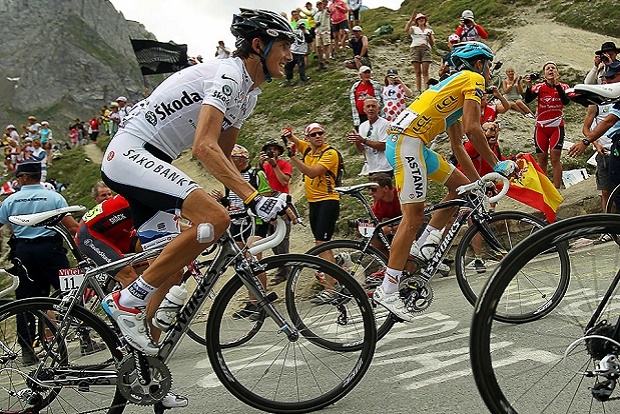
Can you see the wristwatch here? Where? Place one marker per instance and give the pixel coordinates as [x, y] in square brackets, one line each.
[585, 142]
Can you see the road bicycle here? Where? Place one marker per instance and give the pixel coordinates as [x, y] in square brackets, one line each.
[566, 362]
[488, 238]
[291, 357]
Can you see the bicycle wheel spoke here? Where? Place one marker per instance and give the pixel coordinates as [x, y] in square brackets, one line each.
[314, 367]
[557, 363]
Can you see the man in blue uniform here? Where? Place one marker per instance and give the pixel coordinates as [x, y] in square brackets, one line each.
[40, 250]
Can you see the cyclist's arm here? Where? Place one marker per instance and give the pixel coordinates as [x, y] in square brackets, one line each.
[209, 141]
[70, 223]
[455, 132]
[473, 130]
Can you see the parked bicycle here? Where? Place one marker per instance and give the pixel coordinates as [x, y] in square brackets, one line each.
[488, 238]
[566, 361]
[315, 358]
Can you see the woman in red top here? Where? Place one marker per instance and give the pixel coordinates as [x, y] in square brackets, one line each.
[549, 130]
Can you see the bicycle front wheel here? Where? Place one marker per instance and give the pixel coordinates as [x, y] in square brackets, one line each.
[476, 258]
[550, 364]
[69, 374]
[329, 355]
[367, 266]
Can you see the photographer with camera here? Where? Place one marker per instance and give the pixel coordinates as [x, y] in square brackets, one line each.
[278, 174]
[602, 58]
[468, 30]
[549, 129]
[489, 111]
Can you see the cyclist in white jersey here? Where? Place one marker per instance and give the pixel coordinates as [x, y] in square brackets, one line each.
[201, 107]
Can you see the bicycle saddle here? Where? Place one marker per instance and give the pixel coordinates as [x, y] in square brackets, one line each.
[355, 188]
[595, 94]
[46, 217]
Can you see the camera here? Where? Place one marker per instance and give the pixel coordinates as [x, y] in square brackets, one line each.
[467, 21]
[604, 58]
[489, 90]
[270, 154]
[355, 222]
[534, 76]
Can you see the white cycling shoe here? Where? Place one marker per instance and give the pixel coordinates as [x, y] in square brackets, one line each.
[132, 323]
[172, 400]
[393, 303]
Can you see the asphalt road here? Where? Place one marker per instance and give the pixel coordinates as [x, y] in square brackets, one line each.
[420, 367]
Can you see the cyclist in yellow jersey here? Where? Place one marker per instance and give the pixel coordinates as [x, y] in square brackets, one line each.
[438, 109]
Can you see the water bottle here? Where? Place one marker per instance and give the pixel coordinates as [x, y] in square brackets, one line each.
[169, 307]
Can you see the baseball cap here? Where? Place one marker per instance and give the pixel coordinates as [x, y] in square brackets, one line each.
[32, 118]
[392, 73]
[314, 125]
[467, 14]
[10, 126]
[121, 98]
[113, 105]
[44, 123]
[28, 166]
[240, 151]
[612, 69]
[454, 38]
[28, 139]
[357, 28]
[420, 16]
[273, 143]
[364, 69]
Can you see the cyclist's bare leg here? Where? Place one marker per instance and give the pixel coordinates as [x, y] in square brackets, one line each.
[156, 300]
[413, 217]
[198, 207]
[556, 166]
[125, 276]
[442, 217]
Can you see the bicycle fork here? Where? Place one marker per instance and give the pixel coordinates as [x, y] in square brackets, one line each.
[248, 274]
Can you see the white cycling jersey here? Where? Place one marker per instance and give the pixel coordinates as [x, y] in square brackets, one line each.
[167, 118]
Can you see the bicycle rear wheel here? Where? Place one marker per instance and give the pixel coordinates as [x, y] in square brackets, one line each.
[547, 365]
[476, 259]
[72, 375]
[367, 266]
[320, 366]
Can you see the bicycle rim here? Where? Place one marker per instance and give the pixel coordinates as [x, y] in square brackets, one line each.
[363, 265]
[535, 289]
[547, 365]
[275, 374]
[88, 346]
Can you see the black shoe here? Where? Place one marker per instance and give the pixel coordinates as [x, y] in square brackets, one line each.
[250, 311]
[285, 84]
[28, 356]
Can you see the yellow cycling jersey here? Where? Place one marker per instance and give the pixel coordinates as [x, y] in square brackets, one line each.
[440, 106]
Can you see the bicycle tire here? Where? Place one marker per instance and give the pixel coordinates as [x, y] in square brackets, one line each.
[615, 193]
[509, 228]
[89, 345]
[365, 262]
[547, 365]
[304, 374]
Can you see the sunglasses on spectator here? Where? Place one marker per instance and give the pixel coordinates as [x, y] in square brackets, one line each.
[373, 189]
[316, 134]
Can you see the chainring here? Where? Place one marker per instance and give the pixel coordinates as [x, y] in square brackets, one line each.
[129, 385]
[416, 293]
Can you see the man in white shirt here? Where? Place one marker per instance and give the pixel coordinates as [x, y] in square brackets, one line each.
[371, 139]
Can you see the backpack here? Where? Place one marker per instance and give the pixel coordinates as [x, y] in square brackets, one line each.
[341, 167]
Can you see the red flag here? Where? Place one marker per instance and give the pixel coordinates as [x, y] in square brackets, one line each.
[535, 189]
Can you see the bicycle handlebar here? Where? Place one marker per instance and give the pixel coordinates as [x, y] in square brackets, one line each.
[13, 286]
[272, 240]
[484, 182]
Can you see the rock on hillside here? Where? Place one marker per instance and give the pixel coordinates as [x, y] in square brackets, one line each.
[66, 54]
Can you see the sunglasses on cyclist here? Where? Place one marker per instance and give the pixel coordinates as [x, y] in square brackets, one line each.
[316, 134]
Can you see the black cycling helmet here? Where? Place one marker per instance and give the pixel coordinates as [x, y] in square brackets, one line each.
[250, 24]
[264, 24]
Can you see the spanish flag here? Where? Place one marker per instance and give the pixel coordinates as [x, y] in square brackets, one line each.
[535, 189]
